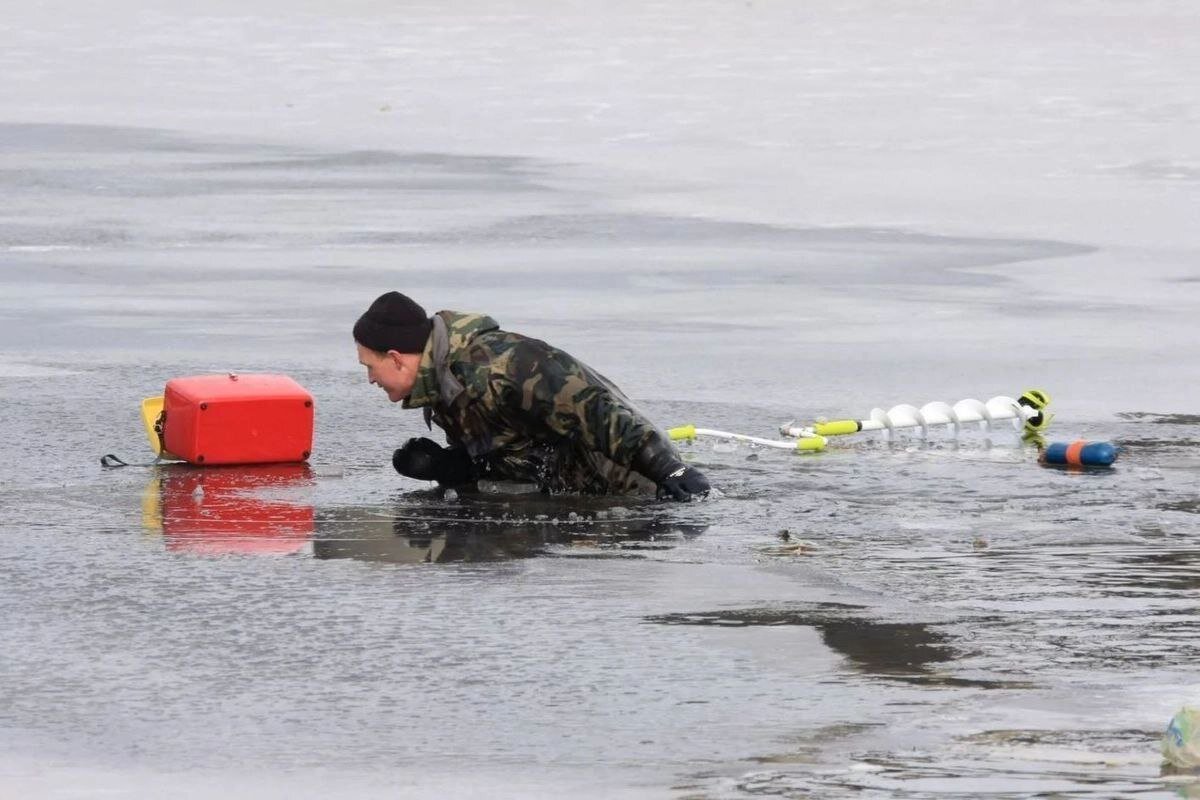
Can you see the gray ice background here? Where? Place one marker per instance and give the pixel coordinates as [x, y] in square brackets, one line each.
[743, 213]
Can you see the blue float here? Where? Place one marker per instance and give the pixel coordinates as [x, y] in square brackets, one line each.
[1080, 453]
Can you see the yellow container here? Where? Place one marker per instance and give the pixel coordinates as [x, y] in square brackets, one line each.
[152, 408]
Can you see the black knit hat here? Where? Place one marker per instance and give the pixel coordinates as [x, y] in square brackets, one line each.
[393, 322]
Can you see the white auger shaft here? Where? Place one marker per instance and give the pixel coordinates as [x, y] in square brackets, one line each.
[808, 442]
[1028, 412]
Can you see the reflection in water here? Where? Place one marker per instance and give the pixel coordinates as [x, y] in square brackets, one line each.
[489, 529]
[403, 548]
[245, 510]
[215, 510]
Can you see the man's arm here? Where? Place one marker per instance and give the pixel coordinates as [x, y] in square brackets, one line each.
[547, 388]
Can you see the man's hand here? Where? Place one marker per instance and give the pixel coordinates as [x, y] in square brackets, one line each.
[683, 483]
[658, 461]
[426, 460]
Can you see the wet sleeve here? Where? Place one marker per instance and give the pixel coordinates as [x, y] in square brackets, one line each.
[554, 395]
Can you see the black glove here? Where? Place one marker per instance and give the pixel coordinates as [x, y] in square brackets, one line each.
[683, 483]
[658, 462]
[426, 460]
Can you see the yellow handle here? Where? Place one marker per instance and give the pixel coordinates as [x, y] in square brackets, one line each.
[687, 432]
[1037, 400]
[811, 443]
[151, 410]
[838, 427]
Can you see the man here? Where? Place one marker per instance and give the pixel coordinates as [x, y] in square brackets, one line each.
[512, 408]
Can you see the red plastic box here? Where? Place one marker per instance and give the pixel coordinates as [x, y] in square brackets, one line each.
[237, 419]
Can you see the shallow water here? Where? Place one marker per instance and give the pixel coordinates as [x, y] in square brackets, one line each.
[740, 234]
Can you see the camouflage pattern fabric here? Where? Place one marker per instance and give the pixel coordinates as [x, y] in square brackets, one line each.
[526, 411]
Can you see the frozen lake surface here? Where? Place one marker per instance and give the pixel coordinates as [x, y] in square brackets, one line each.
[743, 213]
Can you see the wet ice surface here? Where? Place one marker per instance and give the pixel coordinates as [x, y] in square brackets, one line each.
[887, 209]
[939, 620]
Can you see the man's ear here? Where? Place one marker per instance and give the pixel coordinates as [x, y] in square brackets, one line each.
[397, 358]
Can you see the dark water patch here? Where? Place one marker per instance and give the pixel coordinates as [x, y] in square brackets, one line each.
[33, 137]
[1114, 741]
[930, 776]
[1137, 572]
[599, 554]
[907, 651]
[59, 235]
[1152, 445]
[808, 615]
[1160, 419]
[1120, 565]
[111, 185]
[1093, 763]
[896, 246]
[161, 164]
[634, 545]
[1191, 506]
[810, 746]
[1156, 169]
[166, 181]
[386, 160]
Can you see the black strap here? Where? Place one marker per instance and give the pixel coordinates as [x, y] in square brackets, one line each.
[112, 462]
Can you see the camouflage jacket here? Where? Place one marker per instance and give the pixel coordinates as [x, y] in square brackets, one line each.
[527, 411]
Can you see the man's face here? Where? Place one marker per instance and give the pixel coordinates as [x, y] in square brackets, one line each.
[393, 371]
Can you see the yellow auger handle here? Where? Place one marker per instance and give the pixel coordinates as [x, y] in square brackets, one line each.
[811, 443]
[837, 427]
[682, 433]
[1038, 400]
